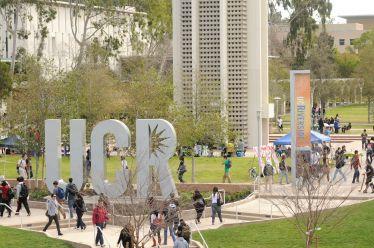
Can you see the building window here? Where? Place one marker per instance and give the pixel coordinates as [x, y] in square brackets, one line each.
[351, 41]
[342, 42]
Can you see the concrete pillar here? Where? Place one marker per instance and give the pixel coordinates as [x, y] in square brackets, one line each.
[256, 72]
[177, 52]
[195, 54]
[265, 70]
[224, 58]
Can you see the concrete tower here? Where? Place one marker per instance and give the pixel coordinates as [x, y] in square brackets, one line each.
[220, 48]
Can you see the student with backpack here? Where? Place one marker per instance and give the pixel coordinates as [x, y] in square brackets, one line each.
[60, 195]
[340, 162]
[369, 176]
[199, 204]
[356, 165]
[80, 208]
[217, 202]
[181, 169]
[22, 195]
[227, 163]
[70, 196]
[6, 194]
[268, 173]
[171, 219]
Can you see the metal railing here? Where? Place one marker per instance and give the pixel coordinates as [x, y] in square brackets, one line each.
[102, 233]
[8, 207]
[201, 236]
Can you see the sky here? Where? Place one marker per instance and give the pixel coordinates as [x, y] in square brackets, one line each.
[351, 7]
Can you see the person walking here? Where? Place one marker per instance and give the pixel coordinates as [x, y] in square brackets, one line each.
[21, 166]
[283, 170]
[29, 171]
[186, 230]
[369, 176]
[181, 169]
[340, 162]
[80, 208]
[325, 167]
[70, 195]
[60, 195]
[6, 196]
[199, 204]
[356, 165]
[99, 217]
[52, 214]
[22, 193]
[280, 124]
[180, 242]
[126, 237]
[216, 205]
[227, 163]
[171, 219]
[364, 137]
[268, 173]
[155, 227]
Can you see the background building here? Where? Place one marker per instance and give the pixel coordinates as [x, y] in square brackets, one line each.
[220, 61]
[60, 45]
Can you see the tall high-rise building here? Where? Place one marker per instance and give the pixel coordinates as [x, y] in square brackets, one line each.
[220, 59]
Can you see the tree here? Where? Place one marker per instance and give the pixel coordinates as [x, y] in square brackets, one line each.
[313, 202]
[321, 62]
[303, 15]
[365, 46]
[5, 80]
[46, 14]
[89, 18]
[346, 64]
[12, 12]
[32, 102]
[155, 34]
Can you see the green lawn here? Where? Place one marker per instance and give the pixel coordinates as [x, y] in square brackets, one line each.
[13, 238]
[355, 113]
[208, 170]
[355, 230]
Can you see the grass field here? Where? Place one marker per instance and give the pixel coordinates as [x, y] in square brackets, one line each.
[207, 170]
[355, 113]
[356, 230]
[12, 238]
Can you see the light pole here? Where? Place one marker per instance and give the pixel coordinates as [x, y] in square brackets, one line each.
[277, 98]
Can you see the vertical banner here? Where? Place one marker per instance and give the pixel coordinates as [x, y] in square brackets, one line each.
[300, 118]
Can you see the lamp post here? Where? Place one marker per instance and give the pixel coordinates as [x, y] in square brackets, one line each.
[277, 98]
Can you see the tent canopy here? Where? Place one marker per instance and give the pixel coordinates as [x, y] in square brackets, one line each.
[10, 141]
[315, 138]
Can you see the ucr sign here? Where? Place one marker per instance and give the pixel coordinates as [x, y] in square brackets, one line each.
[155, 145]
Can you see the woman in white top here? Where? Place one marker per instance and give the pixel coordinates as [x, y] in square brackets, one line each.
[216, 205]
[22, 167]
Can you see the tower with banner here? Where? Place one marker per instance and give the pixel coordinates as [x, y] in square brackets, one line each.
[300, 119]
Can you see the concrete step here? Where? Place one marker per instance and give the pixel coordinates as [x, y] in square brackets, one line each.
[241, 217]
[40, 226]
[251, 215]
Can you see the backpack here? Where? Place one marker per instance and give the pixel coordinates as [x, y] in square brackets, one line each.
[60, 193]
[219, 202]
[24, 192]
[72, 189]
[11, 194]
[230, 164]
[268, 170]
[171, 214]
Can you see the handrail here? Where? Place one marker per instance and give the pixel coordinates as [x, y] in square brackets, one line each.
[198, 230]
[106, 240]
[8, 207]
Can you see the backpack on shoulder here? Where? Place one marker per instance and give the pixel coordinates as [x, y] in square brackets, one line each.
[24, 192]
[60, 193]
